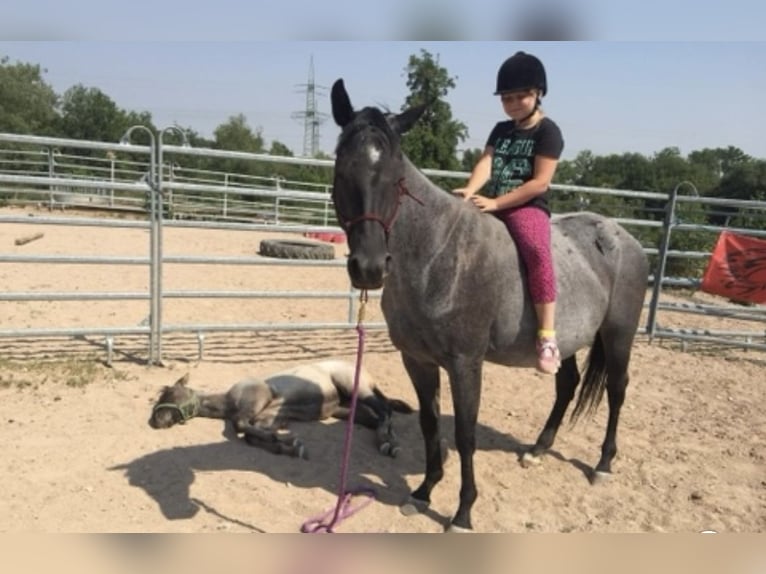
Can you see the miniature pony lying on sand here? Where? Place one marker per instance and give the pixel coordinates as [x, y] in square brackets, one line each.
[259, 408]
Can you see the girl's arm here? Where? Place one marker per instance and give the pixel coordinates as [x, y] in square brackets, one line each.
[545, 168]
[479, 176]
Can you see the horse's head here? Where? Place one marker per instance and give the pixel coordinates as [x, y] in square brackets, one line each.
[176, 404]
[368, 184]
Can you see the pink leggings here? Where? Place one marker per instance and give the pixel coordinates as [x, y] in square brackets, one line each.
[530, 228]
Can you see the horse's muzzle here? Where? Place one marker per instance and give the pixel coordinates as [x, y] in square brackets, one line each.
[366, 272]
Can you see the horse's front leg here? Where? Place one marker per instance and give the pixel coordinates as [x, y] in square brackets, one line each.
[425, 379]
[266, 436]
[465, 384]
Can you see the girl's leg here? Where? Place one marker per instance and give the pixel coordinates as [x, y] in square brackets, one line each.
[531, 230]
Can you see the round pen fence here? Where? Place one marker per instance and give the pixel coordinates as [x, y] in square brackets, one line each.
[155, 188]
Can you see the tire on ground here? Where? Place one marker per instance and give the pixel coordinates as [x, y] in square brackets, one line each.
[296, 249]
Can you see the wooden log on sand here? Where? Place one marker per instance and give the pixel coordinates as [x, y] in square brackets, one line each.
[28, 238]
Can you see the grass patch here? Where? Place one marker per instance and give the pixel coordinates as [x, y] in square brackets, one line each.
[72, 372]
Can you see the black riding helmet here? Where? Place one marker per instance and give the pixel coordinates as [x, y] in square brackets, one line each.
[519, 72]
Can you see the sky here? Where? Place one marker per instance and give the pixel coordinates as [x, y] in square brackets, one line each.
[642, 85]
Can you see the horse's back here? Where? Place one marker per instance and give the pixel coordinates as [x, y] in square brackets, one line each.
[602, 276]
[592, 251]
[331, 376]
[592, 233]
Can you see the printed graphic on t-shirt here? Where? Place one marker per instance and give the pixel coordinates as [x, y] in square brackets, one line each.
[511, 164]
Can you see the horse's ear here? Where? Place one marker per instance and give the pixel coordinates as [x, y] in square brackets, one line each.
[183, 380]
[403, 122]
[342, 110]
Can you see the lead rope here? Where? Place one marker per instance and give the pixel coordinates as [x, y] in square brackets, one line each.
[343, 508]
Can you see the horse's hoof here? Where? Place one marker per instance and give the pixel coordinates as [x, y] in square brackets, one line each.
[389, 449]
[600, 477]
[413, 506]
[298, 450]
[453, 529]
[529, 460]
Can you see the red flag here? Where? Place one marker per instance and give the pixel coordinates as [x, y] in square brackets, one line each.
[737, 268]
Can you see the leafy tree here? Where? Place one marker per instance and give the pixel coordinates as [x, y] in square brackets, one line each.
[27, 102]
[237, 135]
[469, 159]
[278, 148]
[433, 141]
[745, 181]
[717, 162]
[89, 114]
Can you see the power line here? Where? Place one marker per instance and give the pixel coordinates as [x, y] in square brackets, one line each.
[310, 116]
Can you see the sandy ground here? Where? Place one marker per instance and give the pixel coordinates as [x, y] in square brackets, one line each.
[77, 454]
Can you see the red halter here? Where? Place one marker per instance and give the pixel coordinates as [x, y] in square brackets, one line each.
[346, 224]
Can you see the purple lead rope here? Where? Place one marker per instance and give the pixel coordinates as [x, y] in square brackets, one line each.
[343, 507]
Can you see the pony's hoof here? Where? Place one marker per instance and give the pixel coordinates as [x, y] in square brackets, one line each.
[529, 460]
[298, 450]
[413, 506]
[454, 529]
[389, 449]
[600, 477]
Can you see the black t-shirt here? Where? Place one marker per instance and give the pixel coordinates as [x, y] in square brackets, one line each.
[513, 159]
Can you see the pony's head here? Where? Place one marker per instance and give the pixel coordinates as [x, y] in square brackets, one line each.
[368, 184]
[175, 405]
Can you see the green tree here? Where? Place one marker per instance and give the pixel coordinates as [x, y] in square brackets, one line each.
[89, 114]
[27, 102]
[716, 163]
[469, 159]
[433, 141]
[237, 135]
[278, 148]
[745, 181]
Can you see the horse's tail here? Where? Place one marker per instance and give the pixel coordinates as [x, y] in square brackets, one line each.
[396, 405]
[594, 381]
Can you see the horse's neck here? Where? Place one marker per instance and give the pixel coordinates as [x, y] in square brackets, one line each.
[212, 406]
[423, 203]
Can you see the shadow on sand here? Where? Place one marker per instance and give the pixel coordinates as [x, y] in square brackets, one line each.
[167, 475]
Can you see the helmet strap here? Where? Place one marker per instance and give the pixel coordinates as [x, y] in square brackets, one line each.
[532, 113]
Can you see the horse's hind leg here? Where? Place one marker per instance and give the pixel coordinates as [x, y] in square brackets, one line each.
[617, 358]
[567, 379]
[376, 417]
[425, 378]
[372, 410]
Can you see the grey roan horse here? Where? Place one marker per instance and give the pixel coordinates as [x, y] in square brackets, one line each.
[454, 293]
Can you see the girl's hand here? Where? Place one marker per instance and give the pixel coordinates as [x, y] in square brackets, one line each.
[484, 203]
[463, 192]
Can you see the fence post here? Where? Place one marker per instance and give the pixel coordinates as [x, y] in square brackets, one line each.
[51, 175]
[659, 273]
[157, 221]
[151, 181]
